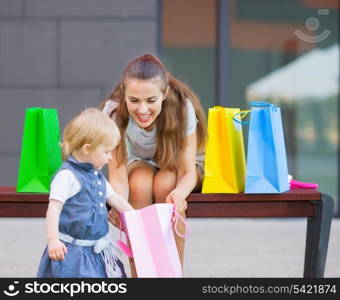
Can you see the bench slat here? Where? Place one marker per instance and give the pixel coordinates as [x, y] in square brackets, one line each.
[8, 193]
[292, 195]
[295, 203]
[250, 209]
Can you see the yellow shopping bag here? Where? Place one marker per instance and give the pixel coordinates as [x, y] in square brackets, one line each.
[225, 164]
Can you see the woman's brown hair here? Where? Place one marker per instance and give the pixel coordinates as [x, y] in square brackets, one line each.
[172, 120]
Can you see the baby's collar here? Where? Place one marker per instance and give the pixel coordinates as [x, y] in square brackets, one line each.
[84, 166]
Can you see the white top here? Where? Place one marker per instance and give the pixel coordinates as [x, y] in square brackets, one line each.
[65, 185]
[141, 143]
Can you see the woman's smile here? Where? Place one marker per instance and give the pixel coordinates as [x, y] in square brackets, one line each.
[144, 118]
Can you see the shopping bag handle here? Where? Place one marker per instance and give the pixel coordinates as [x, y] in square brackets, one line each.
[263, 104]
[260, 103]
[242, 114]
[121, 245]
[179, 217]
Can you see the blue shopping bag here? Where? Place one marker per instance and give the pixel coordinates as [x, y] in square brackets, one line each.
[267, 170]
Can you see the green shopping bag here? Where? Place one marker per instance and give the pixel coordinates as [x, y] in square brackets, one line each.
[40, 151]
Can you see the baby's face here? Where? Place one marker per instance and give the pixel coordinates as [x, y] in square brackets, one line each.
[100, 156]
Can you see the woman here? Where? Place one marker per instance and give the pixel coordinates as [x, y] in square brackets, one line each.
[161, 158]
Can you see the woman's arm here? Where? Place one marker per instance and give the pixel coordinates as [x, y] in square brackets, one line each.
[186, 174]
[118, 177]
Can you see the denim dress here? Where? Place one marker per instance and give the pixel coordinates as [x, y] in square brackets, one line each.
[84, 216]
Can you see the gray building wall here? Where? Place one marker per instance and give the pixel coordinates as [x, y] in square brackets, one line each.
[64, 54]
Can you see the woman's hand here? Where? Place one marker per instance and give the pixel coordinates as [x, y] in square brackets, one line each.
[114, 217]
[176, 197]
[56, 249]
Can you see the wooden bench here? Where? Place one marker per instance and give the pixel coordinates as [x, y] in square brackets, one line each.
[316, 206]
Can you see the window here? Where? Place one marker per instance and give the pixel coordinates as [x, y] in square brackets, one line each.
[287, 53]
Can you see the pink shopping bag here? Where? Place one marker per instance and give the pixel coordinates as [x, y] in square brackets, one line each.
[150, 234]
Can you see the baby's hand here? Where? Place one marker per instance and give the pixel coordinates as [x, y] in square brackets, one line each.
[114, 218]
[56, 249]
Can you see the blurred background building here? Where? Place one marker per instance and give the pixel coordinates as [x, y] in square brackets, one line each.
[69, 54]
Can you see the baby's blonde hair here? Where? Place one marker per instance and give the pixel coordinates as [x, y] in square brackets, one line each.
[92, 127]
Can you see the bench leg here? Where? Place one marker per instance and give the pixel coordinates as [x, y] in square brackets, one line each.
[318, 229]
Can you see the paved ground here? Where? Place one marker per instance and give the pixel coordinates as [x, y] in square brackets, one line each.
[215, 248]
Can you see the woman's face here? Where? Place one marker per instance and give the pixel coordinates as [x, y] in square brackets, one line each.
[144, 100]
